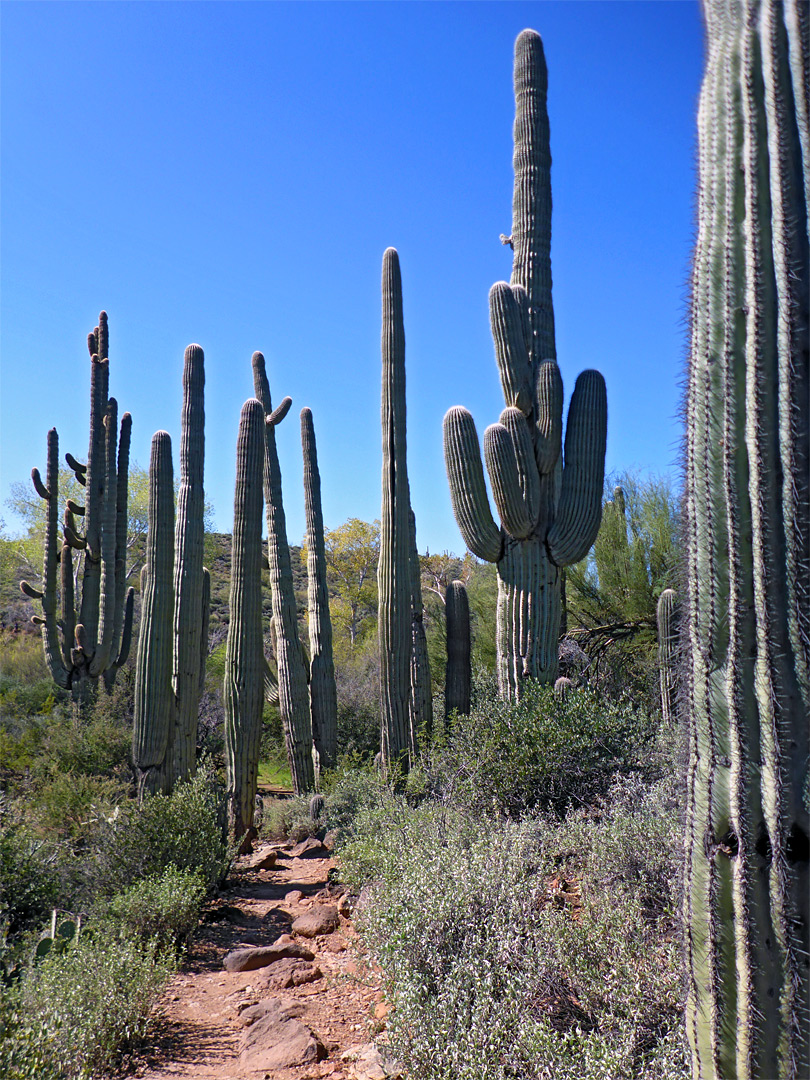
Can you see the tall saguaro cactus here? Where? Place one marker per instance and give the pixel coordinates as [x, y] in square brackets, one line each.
[322, 689]
[748, 552]
[93, 640]
[292, 672]
[154, 715]
[549, 498]
[244, 654]
[403, 670]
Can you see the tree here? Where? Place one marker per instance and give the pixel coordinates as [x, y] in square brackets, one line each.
[352, 553]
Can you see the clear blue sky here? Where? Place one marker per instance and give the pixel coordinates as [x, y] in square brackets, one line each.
[231, 173]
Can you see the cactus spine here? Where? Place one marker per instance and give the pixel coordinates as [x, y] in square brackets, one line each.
[747, 694]
[93, 641]
[400, 698]
[458, 674]
[550, 503]
[667, 618]
[153, 725]
[292, 672]
[244, 655]
[322, 689]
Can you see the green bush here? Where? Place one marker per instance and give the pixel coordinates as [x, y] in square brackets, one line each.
[163, 906]
[29, 886]
[70, 805]
[186, 829]
[540, 752]
[526, 949]
[80, 1008]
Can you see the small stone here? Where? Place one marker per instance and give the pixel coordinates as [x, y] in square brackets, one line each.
[382, 1009]
[310, 848]
[320, 919]
[290, 972]
[346, 906]
[331, 839]
[262, 860]
[293, 897]
[335, 944]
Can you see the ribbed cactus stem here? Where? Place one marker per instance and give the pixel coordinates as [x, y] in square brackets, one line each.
[420, 705]
[322, 689]
[188, 564]
[50, 492]
[292, 672]
[549, 502]
[154, 717]
[747, 514]
[562, 687]
[244, 655]
[393, 573]
[667, 612]
[458, 673]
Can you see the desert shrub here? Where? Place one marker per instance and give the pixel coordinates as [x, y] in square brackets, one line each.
[164, 906]
[21, 659]
[504, 955]
[29, 885]
[71, 805]
[186, 829]
[80, 1008]
[539, 752]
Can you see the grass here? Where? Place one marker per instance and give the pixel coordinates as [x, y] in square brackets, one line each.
[275, 774]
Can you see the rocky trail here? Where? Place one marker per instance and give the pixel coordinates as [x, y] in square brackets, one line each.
[275, 984]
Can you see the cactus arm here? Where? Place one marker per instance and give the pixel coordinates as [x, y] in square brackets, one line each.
[579, 511]
[126, 629]
[188, 564]
[108, 597]
[67, 597]
[458, 673]
[394, 619]
[666, 618]
[515, 423]
[548, 437]
[499, 455]
[531, 204]
[280, 411]
[270, 685]
[292, 675]
[244, 656]
[121, 500]
[510, 347]
[79, 470]
[96, 477]
[154, 704]
[322, 688]
[468, 492]
[50, 633]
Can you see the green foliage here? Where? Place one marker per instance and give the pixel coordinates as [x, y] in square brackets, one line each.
[500, 952]
[164, 906]
[29, 885]
[81, 1007]
[539, 752]
[352, 551]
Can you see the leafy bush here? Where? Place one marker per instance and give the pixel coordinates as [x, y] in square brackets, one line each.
[69, 805]
[186, 829]
[28, 882]
[81, 1007]
[540, 752]
[526, 949]
[163, 906]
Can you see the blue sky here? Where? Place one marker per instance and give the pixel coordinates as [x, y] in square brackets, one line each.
[231, 173]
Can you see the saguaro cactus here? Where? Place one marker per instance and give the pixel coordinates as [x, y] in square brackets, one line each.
[292, 672]
[458, 674]
[420, 702]
[748, 538]
[400, 699]
[549, 500]
[667, 618]
[244, 654]
[154, 717]
[95, 640]
[322, 689]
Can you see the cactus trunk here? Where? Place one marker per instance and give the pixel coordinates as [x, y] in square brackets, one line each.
[292, 673]
[154, 718]
[394, 570]
[549, 499]
[188, 566]
[244, 655]
[748, 531]
[458, 674]
[322, 689]
[667, 618]
[421, 694]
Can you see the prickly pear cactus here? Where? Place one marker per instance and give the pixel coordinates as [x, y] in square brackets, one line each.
[243, 693]
[93, 641]
[548, 497]
[747, 606]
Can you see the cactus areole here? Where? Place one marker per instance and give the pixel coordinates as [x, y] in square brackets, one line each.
[548, 496]
[747, 525]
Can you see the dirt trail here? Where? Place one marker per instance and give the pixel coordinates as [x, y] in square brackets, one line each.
[198, 1032]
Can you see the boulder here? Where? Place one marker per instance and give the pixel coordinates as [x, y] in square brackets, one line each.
[290, 972]
[320, 919]
[310, 848]
[277, 1039]
[262, 860]
[248, 959]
